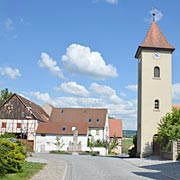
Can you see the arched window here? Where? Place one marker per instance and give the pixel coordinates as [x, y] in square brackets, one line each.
[156, 104]
[156, 71]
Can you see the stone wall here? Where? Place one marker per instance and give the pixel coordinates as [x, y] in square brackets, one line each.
[171, 155]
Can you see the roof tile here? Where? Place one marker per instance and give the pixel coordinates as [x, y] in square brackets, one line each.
[115, 128]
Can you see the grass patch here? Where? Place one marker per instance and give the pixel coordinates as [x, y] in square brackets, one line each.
[126, 144]
[29, 169]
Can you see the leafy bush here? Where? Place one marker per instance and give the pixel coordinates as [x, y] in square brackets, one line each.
[169, 128]
[100, 143]
[8, 135]
[11, 158]
[23, 147]
[3, 149]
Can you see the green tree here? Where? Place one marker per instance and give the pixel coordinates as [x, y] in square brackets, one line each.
[113, 144]
[169, 127]
[5, 94]
[91, 143]
[59, 142]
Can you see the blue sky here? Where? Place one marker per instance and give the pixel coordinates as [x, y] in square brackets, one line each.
[80, 53]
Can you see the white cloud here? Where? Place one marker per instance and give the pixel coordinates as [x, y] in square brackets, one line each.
[9, 24]
[74, 89]
[81, 60]
[123, 94]
[176, 91]
[158, 14]
[133, 87]
[9, 72]
[105, 92]
[112, 1]
[47, 62]
[101, 97]
[44, 97]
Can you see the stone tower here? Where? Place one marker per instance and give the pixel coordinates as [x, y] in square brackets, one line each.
[154, 86]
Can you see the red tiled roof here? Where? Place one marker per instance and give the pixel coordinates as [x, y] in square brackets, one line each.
[80, 115]
[115, 128]
[155, 39]
[57, 128]
[73, 117]
[176, 106]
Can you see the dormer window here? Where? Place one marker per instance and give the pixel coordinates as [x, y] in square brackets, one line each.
[63, 128]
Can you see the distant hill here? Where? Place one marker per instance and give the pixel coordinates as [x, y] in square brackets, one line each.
[129, 133]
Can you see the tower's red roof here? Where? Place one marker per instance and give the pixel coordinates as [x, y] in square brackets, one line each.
[154, 39]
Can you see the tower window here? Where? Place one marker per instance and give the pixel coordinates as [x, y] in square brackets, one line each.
[156, 71]
[156, 104]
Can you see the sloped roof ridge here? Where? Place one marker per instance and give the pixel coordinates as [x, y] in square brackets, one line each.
[83, 108]
[29, 103]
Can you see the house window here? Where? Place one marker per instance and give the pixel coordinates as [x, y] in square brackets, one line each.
[156, 104]
[89, 120]
[62, 111]
[18, 125]
[97, 131]
[156, 71]
[63, 128]
[3, 125]
[97, 120]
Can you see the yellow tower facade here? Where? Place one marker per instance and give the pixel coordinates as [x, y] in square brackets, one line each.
[154, 86]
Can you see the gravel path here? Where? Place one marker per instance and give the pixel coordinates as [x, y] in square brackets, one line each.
[54, 170]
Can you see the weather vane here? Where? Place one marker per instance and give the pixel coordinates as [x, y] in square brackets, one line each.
[154, 16]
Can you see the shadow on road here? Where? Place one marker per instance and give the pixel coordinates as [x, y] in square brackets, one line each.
[165, 171]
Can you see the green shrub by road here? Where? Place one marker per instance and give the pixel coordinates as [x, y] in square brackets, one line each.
[29, 169]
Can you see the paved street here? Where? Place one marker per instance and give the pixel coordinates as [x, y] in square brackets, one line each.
[113, 168]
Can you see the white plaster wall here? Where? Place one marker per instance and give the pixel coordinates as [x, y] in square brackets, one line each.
[95, 136]
[46, 143]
